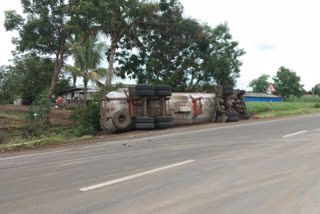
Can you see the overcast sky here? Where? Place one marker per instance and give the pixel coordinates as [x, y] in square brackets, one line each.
[274, 33]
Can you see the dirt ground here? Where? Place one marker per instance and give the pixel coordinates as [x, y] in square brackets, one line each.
[13, 120]
[58, 117]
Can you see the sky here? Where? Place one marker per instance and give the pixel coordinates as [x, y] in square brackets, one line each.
[273, 33]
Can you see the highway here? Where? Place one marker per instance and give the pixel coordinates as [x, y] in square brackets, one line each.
[267, 166]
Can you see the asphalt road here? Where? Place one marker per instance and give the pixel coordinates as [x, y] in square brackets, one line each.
[250, 167]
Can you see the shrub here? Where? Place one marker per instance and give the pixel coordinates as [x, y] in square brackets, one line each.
[37, 114]
[86, 121]
[317, 105]
[3, 139]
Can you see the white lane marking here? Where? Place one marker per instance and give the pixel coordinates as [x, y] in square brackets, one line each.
[109, 143]
[296, 133]
[133, 176]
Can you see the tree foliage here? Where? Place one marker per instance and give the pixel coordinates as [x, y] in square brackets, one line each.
[87, 56]
[181, 52]
[260, 84]
[28, 77]
[287, 83]
[316, 89]
[152, 42]
[124, 18]
[45, 29]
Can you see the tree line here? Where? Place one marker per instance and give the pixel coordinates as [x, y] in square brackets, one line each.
[287, 84]
[149, 41]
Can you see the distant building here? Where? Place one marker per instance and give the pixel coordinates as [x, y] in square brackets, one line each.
[78, 93]
[261, 97]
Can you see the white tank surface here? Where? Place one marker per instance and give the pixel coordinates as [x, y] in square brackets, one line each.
[116, 101]
[191, 108]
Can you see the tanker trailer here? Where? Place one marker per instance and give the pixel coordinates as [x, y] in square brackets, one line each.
[149, 107]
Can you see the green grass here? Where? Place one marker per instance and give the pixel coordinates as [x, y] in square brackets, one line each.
[270, 110]
[260, 107]
[15, 116]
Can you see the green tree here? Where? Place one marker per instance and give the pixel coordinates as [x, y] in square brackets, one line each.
[316, 90]
[45, 29]
[260, 84]
[287, 83]
[126, 17]
[28, 77]
[223, 64]
[169, 49]
[181, 52]
[87, 56]
[62, 86]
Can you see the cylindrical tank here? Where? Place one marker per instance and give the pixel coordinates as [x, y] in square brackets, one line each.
[186, 108]
[116, 101]
[191, 108]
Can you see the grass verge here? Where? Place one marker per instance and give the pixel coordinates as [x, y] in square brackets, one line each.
[269, 110]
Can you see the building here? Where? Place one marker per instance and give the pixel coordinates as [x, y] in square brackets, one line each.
[261, 97]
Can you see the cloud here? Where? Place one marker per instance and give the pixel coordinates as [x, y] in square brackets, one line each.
[265, 47]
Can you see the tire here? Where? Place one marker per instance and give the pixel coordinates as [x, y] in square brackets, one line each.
[242, 92]
[110, 126]
[227, 92]
[121, 119]
[145, 125]
[247, 117]
[164, 119]
[164, 125]
[144, 120]
[163, 87]
[227, 87]
[233, 119]
[163, 93]
[145, 87]
[232, 114]
[144, 92]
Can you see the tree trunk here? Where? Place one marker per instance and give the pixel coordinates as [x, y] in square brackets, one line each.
[85, 82]
[111, 60]
[74, 81]
[57, 68]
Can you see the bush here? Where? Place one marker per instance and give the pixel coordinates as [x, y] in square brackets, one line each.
[317, 105]
[37, 114]
[3, 139]
[86, 121]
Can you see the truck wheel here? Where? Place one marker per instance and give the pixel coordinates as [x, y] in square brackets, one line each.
[144, 120]
[164, 119]
[163, 87]
[145, 126]
[232, 114]
[145, 87]
[233, 119]
[163, 93]
[164, 125]
[227, 87]
[144, 92]
[242, 92]
[110, 126]
[227, 92]
[121, 119]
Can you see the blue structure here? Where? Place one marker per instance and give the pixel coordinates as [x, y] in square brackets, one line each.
[261, 97]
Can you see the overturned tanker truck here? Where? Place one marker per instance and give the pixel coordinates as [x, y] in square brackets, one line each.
[149, 107]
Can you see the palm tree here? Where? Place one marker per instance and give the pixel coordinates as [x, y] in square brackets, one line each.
[87, 56]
